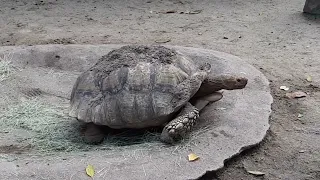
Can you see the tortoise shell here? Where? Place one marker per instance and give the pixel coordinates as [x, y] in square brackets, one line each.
[131, 87]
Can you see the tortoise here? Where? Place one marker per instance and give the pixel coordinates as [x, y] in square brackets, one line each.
[140, 86]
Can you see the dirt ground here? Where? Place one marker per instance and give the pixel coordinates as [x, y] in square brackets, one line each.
[273, 35]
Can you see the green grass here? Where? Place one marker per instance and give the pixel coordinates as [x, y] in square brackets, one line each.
[50, 130]
[53, 131]
[6, 69]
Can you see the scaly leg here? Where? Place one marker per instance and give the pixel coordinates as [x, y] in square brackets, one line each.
[180, 126]
[202, 102]
[189, 87]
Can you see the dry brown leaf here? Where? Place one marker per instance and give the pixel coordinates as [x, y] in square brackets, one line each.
[298, 94]
[192, 157]
[256, 173]
[169, 12]
[90, 170]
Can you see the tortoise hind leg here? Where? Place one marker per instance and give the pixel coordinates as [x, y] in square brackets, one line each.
[93, 134]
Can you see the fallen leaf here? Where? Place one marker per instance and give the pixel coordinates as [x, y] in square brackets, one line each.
[90, 170]
[284, 88]
[309, 78]
[195, 12]
[192, 157]
[162, 40]
[169, 12]
[298, 94]
[256, 173]
[191, 12]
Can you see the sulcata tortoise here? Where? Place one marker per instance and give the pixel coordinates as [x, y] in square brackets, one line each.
[139, 86]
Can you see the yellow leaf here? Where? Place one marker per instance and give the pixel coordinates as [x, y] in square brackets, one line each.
[309, 78]
[256, 173]
[193, 157]
[90, 170]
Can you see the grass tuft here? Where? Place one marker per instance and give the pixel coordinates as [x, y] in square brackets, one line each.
[52, 131]
[6, 69]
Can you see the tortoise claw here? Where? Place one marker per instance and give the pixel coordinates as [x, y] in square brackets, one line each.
[179, 127]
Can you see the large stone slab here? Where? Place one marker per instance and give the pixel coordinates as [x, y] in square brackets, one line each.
[237, 122]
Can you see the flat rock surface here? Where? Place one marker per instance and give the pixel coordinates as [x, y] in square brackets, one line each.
[237, 122]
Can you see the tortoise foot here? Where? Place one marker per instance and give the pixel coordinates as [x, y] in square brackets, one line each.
[179, 127]
[93, 134]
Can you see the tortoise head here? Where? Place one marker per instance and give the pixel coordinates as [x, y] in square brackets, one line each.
[217, 83]
[230, 82]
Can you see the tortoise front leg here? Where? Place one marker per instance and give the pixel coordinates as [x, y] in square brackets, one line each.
[180, 126]
[185, 90]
